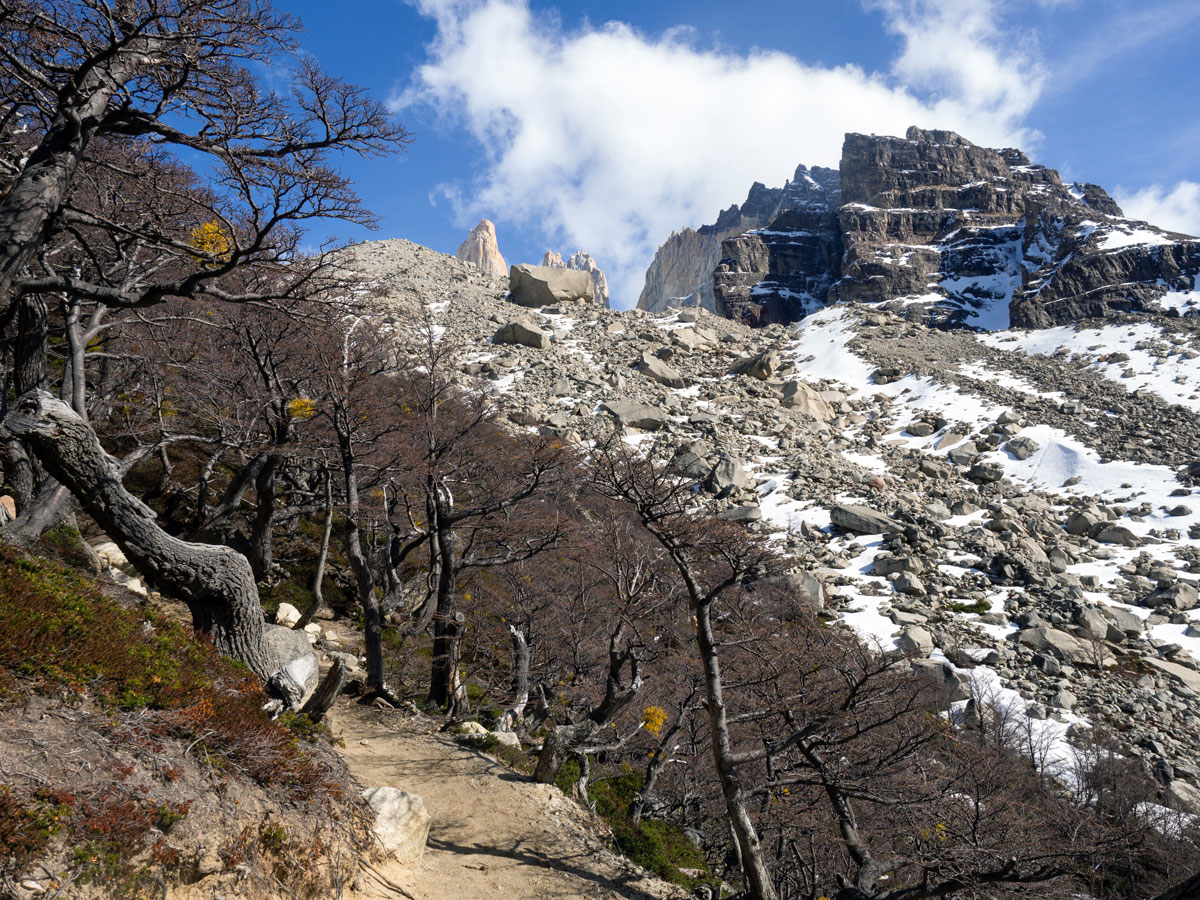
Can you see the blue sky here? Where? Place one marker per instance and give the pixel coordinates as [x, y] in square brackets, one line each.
[604, 126]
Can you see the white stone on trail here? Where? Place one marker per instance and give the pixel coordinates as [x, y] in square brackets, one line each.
[401, 822]
[287, 615]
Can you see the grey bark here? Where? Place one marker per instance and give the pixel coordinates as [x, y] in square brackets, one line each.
[262, 531]
[513, 714]
[446, 627]
[215, 582]
[39, 190]
[754, 867]
[318, 595]
[559, 745]
[327, 692]
[567, 740]
[232, 497]
[50, 506]
[364, 580]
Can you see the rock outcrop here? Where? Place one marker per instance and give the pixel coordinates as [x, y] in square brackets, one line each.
[481, 250]
[547, 285]
[581, 261]
[681, 273]
[936, 228]
[785, 271]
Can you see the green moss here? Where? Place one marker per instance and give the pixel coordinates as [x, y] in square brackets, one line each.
[979, 607]
[64, 542]
[654, 844]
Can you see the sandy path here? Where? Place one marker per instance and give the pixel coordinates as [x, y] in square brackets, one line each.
[495, 834]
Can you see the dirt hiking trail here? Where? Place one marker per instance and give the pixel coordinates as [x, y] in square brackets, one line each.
[495, 835]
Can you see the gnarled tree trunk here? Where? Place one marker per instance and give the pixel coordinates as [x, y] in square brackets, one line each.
[216, 582]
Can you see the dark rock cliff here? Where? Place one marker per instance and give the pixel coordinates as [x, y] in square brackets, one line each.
[952, 233]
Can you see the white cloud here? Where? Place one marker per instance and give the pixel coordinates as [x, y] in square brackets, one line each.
[608, 139]
[1176, 209]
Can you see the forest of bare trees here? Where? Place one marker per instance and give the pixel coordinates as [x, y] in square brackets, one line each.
[240, 417]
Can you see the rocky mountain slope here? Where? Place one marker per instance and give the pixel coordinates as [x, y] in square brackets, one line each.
[951, 233]
[1019, 509]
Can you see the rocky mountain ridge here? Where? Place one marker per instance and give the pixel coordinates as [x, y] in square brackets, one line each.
[681, 273]
[1018, 509]
[937, 228]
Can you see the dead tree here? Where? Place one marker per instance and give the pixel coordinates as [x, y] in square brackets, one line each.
[216, 582]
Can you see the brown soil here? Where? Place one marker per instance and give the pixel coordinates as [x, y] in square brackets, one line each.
[494, 834]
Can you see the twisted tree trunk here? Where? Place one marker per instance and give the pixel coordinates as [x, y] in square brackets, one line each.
[216, 582]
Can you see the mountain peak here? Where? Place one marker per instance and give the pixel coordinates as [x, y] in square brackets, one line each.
[481, 250]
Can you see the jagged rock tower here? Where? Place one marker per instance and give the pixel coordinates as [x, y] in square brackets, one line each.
[482, 251]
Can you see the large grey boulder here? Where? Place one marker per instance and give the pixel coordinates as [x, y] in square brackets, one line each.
[1189, 678]
[727, 475]
[657, 370]
[799, 396]
[1181, 596]
[523, 334]
[916, 640]
[1058, 644]
[940, 675]
[862, 520]
[1110, 533]
[964, 454]
[1022, 447]
[401, 822]
[1128, 623]
[1082, 521]
[746, 513]
[635, 415]
[547, 285]
[1094, 625]
[693, 459]
[761, 366]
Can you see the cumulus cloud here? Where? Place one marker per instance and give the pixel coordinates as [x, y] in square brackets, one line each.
[608, 139]
[1176, 209]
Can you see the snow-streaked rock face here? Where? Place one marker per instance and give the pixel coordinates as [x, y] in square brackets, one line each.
[482, 250]
[582, 261]
[940, 229]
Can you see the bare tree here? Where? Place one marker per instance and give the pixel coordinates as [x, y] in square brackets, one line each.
[101, 100]
[469, 494]
[215, 581]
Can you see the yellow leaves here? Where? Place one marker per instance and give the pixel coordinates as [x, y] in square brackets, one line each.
[939, 832]
[302, 408]
[211, 240]
[653, 719]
